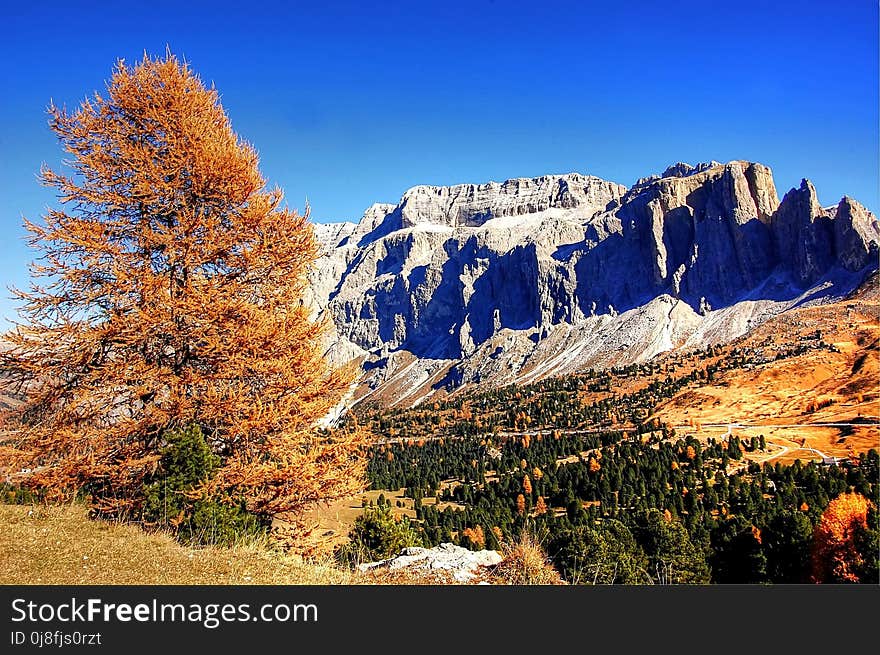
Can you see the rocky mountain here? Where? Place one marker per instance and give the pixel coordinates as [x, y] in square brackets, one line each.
[528, 278]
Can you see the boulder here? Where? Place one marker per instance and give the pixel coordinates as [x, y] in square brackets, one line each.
[462, 564]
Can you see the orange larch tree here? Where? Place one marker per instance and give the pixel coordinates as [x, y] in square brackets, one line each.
[168, 292]
[836, 555]
[476, 535]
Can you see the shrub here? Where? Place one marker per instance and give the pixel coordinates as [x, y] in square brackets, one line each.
[378, 534]
[525, 563]
[171, 500]
[11, 494]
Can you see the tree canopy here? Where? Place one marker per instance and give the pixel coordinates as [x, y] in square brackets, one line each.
[168, 292]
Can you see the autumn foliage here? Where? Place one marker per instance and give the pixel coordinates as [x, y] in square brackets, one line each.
[168, 292]
[836, 553]
[475, 535]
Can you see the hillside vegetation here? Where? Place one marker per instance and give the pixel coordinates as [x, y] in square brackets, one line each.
[733, 454]
[582, 461]
[788, 399]
[61, 545]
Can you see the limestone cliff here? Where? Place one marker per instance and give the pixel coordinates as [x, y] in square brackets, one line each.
[532, 277]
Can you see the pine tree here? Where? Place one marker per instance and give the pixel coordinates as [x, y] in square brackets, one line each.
[168, 292]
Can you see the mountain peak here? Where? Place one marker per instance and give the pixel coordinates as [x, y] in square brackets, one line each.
[472, 205]
[682, 169]
[530, 277]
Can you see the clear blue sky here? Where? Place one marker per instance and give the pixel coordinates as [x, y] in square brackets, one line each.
[351, 103]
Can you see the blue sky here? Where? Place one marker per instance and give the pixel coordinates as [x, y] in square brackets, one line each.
[351, 103]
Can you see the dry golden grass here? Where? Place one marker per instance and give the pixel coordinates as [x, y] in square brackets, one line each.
[384, 576]
[60, 545]
[330, 523]
[525, 563]
[819, 386]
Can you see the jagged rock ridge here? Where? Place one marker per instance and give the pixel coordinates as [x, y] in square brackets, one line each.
[532, 277]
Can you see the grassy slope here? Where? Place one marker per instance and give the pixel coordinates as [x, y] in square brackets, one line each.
[779, 392]
[60, 545]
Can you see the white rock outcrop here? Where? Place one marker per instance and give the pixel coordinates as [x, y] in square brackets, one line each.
[462, 564]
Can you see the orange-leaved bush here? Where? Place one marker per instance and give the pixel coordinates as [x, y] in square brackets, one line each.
[168, 292]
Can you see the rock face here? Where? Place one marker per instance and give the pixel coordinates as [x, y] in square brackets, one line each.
[461, 563]
[803, 234]
[532, 277]
[472, 205]
[856, 234]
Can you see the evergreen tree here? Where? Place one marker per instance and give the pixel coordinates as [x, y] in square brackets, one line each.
[672, 557]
